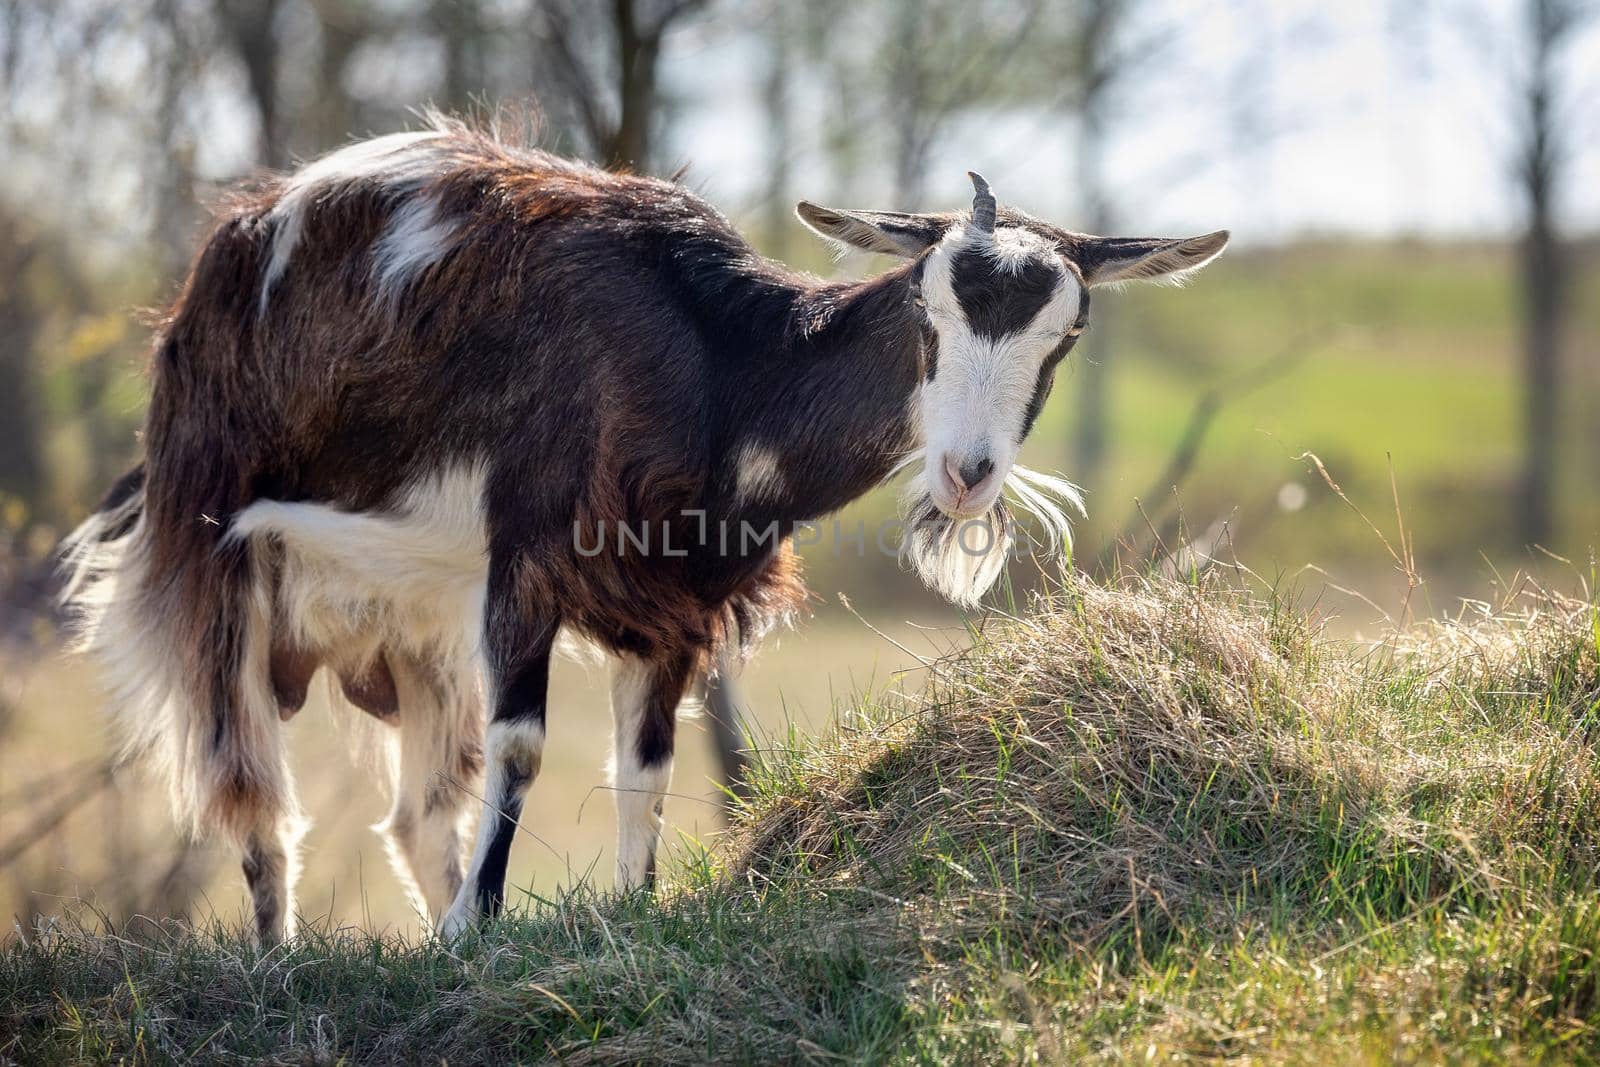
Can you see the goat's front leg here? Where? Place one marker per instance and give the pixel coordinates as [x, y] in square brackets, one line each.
[644, 704]
[519, 674]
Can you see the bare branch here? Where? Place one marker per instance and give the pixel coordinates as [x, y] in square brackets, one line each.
[1191, 442]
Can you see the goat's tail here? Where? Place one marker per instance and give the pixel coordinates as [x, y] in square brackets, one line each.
[179, 620]
[188, 681]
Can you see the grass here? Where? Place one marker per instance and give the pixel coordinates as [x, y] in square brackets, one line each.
[1164, 821]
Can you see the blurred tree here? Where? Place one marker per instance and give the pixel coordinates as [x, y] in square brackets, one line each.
[905, 70]
[777, 92]
[941, 60]
[1541, 153]
[250, 27]
[604, 61]
[1098, 53]
[459, 25]
[21, 464]
[174, 68]
[342, 26]
[1093, 69]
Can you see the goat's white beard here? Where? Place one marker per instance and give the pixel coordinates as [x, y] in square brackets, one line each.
[961, 558]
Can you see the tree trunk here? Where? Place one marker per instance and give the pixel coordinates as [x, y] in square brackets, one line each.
[249, 27]
[172, 165]
[341, 26]
[638, 52]
[456, 22]
[1544, 274]
[779, 219]
[1543, 279]
[911, 107]
[1089, 432]
[724, 704]
[21, 464]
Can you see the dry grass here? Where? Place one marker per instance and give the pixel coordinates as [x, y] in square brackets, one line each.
[1164, 777]
[1163, 821]
[1168, 752]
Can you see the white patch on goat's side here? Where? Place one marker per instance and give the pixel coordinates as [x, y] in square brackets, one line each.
[416, 237]
[400, 161]
[759, 473]
[412, 576]
[639, 790]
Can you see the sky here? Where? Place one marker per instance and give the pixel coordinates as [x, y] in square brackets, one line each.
[1273, 118]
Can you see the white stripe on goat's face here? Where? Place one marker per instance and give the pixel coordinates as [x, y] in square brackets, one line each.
[999, 312]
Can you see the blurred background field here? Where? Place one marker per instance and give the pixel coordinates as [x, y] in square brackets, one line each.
[1413, 296]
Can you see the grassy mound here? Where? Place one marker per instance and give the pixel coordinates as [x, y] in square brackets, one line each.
[1162, 821]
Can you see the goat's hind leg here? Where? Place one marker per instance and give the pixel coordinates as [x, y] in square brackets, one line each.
[265, 820]
[269, 875]
[439, 758]
[256, 804]
[268, 826]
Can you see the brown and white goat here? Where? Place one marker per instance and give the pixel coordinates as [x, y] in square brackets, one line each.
[404, 391]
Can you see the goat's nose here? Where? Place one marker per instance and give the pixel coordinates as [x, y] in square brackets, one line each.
[972, 471]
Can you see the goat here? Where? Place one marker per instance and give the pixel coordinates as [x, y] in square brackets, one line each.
[403, 389]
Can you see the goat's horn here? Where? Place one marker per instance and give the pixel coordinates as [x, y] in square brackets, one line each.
[983, 207]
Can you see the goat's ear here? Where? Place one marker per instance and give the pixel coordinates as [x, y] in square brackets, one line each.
[1109, 260]
[894, 233]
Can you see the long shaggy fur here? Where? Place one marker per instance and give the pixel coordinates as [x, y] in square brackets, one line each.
[231, 775]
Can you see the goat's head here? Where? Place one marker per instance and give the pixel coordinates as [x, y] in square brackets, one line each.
[1000, 298]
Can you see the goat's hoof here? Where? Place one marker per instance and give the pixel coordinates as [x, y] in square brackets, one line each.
[460, 919]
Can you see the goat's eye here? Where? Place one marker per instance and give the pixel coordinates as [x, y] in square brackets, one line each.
[916, 298]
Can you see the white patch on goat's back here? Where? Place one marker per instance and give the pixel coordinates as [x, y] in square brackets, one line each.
[412, 575]
[402, 161]
[416, 237]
